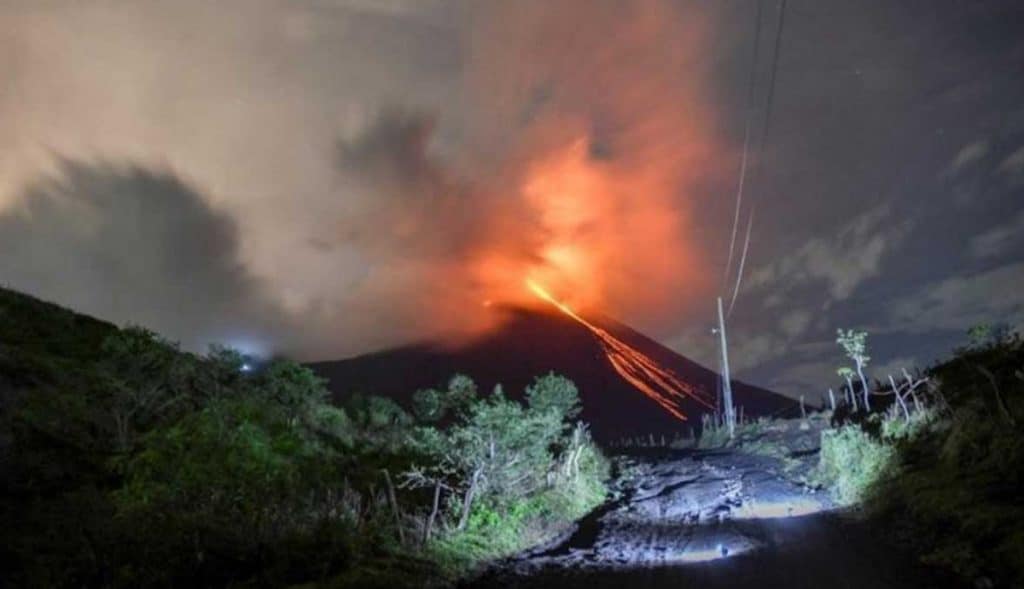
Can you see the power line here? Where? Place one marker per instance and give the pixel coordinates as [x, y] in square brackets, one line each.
[743, 260]
[751, 83]
[759, 161]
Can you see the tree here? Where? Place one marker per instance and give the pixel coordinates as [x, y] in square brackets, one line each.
[428, 405]
[432, 405]
[497, 448]
[846, 373]
[220, 374]
[292, 386]
[854, 343]
[985, 335]
[501, 450]
[554, 393]
[461, 392]
[142, 375]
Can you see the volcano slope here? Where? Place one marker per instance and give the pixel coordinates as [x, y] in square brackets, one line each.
[531, 343]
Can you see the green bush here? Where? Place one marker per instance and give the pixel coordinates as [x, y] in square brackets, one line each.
[852, 463]
[897, 427]
[959, 460]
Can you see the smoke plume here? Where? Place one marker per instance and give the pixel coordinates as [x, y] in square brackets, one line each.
[352, 175]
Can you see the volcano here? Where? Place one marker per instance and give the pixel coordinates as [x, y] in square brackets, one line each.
[529, 343]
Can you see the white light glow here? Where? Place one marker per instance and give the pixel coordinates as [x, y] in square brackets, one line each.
[792, 507]
[710, 553]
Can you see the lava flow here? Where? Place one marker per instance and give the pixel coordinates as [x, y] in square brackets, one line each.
[658, 383]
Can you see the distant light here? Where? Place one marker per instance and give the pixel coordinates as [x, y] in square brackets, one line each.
[246, 367]
[251, 347]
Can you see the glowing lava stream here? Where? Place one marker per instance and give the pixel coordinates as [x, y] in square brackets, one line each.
[659, 384]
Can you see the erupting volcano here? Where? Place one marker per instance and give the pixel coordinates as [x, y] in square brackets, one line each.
[513, 259]
[629, 384]
[576, 226]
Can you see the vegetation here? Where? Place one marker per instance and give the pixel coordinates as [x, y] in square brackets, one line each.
[854, 344]
[851, 461]
[127, 462]
[944, 462]
[936, 457]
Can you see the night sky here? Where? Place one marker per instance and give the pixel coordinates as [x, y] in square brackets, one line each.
[316, 177]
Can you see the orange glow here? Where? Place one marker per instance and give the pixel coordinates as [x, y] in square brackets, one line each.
[596, 190]
[659, 384]
[586, 178]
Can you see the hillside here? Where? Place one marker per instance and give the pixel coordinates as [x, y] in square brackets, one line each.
[39, 341]
[126, 462]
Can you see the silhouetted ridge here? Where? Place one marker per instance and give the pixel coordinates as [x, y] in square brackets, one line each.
[532, 343]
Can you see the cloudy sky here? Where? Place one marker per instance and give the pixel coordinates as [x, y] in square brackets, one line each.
[331, 177]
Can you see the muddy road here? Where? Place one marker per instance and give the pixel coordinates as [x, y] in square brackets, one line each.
[716, 519]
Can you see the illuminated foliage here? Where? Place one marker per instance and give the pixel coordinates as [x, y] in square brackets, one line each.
[554, 393]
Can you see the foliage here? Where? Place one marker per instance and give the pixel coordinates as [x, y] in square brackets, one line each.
[897, 428]
[238, 474]
[432, 405]
[513, 475]
[127, 462]
[552, 393]
[852, 463]
[959, 459]
[963, 476]
[143, 377]
[854, 343]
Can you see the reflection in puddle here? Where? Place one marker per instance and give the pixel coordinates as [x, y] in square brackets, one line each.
[788, 507]
[708, 554]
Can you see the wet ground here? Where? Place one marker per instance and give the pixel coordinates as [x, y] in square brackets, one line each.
[721, 519]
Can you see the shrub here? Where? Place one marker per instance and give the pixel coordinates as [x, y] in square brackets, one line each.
[961, 462]
[852, 462]
[895, 427]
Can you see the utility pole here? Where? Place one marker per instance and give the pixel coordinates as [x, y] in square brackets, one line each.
[730, 417]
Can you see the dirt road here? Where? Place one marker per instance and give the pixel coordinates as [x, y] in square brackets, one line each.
[710, 520]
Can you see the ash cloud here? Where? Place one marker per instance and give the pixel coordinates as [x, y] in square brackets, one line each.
[373, 156]
[348, 175]
[355, 170]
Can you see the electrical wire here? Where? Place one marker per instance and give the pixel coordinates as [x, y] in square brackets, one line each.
[751, 85]
[762, 140]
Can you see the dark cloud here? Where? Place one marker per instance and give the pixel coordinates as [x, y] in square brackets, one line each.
[414, 208]
[126, 242]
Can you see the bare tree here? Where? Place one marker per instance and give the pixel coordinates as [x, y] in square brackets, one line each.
[854, 343]
[851, 396]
